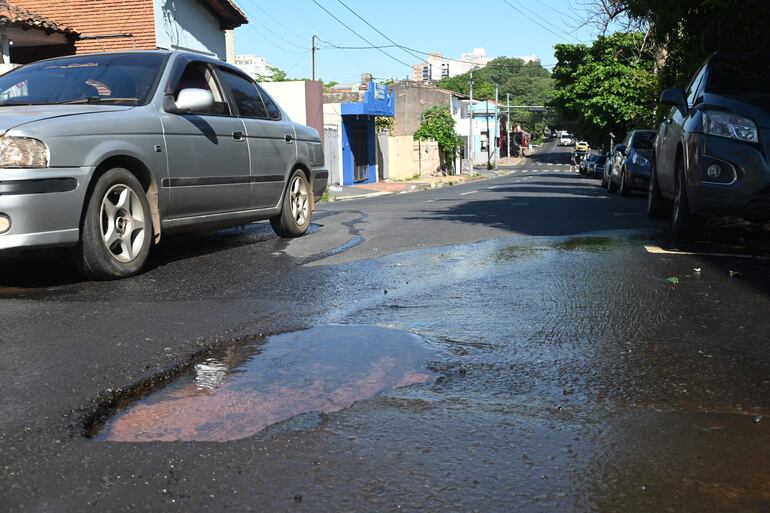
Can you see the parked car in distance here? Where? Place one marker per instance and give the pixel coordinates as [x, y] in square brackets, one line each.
[712, 153]
[596, 166]
[106, 153]
[632, 162]
[608, 166]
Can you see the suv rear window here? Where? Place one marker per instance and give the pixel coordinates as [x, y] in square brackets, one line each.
[740, 76]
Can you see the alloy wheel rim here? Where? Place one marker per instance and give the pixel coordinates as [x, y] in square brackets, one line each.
[122, 222]
[298, 199]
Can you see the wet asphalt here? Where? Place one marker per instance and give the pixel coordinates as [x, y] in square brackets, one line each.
[580, 361]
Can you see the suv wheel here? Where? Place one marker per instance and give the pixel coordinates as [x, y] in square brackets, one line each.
[657, 206]
[610, 183]
[684, 224]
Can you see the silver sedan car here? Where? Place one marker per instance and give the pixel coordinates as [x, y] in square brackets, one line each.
[106, 153]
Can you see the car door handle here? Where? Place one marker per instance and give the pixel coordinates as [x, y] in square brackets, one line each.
[238, 135]
[288, 138]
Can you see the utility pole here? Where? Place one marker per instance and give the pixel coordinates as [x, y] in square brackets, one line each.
[489, 142]
[469, 155]
[508, 123]
[312, 44]
[497, 129]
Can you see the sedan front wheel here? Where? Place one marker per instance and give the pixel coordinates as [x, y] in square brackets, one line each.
[117, 228]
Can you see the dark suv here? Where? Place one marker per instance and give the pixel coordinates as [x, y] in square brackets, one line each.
[631, 162]
[712, 149]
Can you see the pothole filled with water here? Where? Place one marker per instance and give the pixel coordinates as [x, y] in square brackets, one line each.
[240, 392]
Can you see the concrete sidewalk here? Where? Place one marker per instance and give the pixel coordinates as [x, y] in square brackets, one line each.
[387, 187]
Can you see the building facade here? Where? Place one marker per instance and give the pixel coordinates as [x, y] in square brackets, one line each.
[437, 66]
[120, 25]
[351, 140]
[255, 66]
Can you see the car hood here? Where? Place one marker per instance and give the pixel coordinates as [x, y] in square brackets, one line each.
[16, 116]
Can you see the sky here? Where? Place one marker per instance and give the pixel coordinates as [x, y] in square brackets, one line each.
[281, 31]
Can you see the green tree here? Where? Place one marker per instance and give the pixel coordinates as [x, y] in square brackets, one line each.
[437, 124]
[682, 33]
[606, 87]
[527, 83]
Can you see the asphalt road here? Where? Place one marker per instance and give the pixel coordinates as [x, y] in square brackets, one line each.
[580, 361]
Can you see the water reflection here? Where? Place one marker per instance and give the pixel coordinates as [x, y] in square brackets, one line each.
[241, 392]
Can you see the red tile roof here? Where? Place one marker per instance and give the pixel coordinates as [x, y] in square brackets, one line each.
[11, 14]
[227, 11]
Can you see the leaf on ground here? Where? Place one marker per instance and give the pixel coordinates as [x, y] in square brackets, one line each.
[673, 280]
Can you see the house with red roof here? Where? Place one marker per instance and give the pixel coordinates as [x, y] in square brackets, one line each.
[31, 30]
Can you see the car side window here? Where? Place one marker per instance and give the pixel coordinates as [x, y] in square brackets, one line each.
[627, 140]
[244, 92]
[198, 76]
[272, 109]
[694, 87]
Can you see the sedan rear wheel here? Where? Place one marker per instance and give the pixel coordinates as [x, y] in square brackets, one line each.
[294, 218]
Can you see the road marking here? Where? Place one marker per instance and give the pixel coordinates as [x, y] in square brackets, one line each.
[430, 201]
[469, 192]
[657, 250]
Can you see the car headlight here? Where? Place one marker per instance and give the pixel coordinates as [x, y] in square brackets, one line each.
[22, 152]
[638, 159]
[724, 124]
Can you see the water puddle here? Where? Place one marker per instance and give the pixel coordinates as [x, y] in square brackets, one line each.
[241, 392]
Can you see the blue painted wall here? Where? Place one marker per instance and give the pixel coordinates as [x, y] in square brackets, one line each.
[378, 100]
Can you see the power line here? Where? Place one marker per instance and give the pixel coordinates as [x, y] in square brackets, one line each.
[338, 47]
[292, 43]
[549, 22]
[255, 4]
[318, 31]
[560, 36]
[359, 35]
[490, 65]
[377, 30]
[554, 9]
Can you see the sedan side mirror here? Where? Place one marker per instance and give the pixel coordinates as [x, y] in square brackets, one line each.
[674, 97]
[194, 100]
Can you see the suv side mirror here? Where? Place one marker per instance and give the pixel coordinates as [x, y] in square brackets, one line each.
[194, 100]
[674, 97]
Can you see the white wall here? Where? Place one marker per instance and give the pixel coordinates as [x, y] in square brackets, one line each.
[188, 25]
[290, 96]
[333, 120]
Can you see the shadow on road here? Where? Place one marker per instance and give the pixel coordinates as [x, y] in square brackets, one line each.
[25, 272]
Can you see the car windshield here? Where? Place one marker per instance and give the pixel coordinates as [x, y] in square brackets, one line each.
[644, 140]
[740, 76]
[110, 78]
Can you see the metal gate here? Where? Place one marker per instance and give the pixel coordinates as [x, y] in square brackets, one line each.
[360, 146]
[331, 154]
